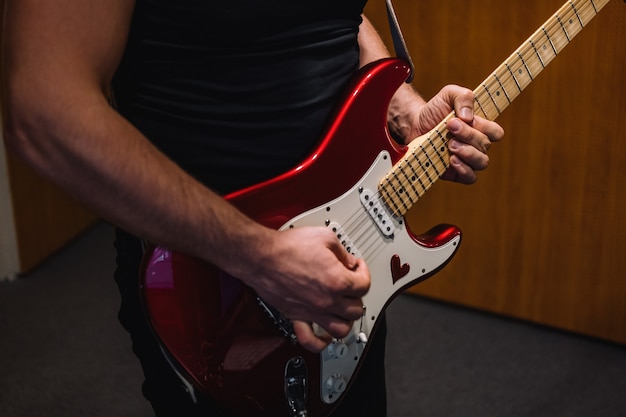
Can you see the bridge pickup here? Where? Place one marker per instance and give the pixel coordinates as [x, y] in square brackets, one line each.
[344, 239]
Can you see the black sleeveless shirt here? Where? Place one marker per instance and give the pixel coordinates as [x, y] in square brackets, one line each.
[236, 91]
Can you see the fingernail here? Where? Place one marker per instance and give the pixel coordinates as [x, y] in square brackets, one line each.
[454, 125]
[466, 114]
[454, 144]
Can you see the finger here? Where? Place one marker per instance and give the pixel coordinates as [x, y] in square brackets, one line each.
[346, 258]
[465, 133]
[469, 155]
[336, 327]
[492, 130]
[459, 172]
[462, 100]
[355, 280]
[307, 337]
[349, 309]
[361, 279]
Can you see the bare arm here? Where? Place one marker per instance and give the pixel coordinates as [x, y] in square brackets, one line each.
[410, 116]
[60, 58]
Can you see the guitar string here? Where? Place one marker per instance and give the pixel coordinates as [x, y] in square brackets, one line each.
[555, 33]
[359, 231]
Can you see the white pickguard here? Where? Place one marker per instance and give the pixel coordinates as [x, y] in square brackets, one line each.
[365, 239]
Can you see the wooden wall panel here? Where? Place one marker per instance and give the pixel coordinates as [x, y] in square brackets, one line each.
[544, 227]
[46, 218]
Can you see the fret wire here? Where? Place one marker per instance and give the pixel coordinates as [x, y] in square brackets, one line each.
[495, 82]
[397, 196]
[506, 94]
[528, 52]
[488, 105]
[591, 12]
[427, 166]
[576, 13]
[525, 66]
[540, 41]
[429, 163]
[519, 87]
[444, 141]
[564, 29]
[480, 107]
[390, 184]
[492, 99]
[537, 53]
[400, 191]
[389, 198]
[550, 40]
[425, 170]
[410, 185]
[558, 31]
[417, 176]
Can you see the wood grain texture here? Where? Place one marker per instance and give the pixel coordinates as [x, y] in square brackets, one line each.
[544, 231]
[46, 218]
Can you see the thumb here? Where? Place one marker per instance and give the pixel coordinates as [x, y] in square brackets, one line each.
[346, 258]
[307, 337]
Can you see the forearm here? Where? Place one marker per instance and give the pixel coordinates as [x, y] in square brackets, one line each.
[103, 161]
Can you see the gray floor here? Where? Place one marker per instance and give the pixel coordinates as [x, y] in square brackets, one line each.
[62, 353]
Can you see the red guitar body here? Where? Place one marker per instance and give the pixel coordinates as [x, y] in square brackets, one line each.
[212, 327]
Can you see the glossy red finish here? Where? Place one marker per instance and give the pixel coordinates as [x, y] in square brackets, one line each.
[356, 135]
[213, 328]
[209, 322]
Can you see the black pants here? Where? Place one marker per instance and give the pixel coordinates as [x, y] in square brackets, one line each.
[165, 391]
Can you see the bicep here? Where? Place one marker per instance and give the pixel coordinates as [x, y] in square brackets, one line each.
[62, 43]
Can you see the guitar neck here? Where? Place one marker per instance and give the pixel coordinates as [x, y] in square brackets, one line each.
[427, 157]
[507, 82]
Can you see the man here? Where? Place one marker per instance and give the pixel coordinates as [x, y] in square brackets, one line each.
[210, 97]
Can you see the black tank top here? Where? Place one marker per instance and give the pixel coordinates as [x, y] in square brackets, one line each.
[236, 91]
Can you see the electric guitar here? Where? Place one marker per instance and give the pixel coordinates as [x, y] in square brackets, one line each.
[230, 344]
